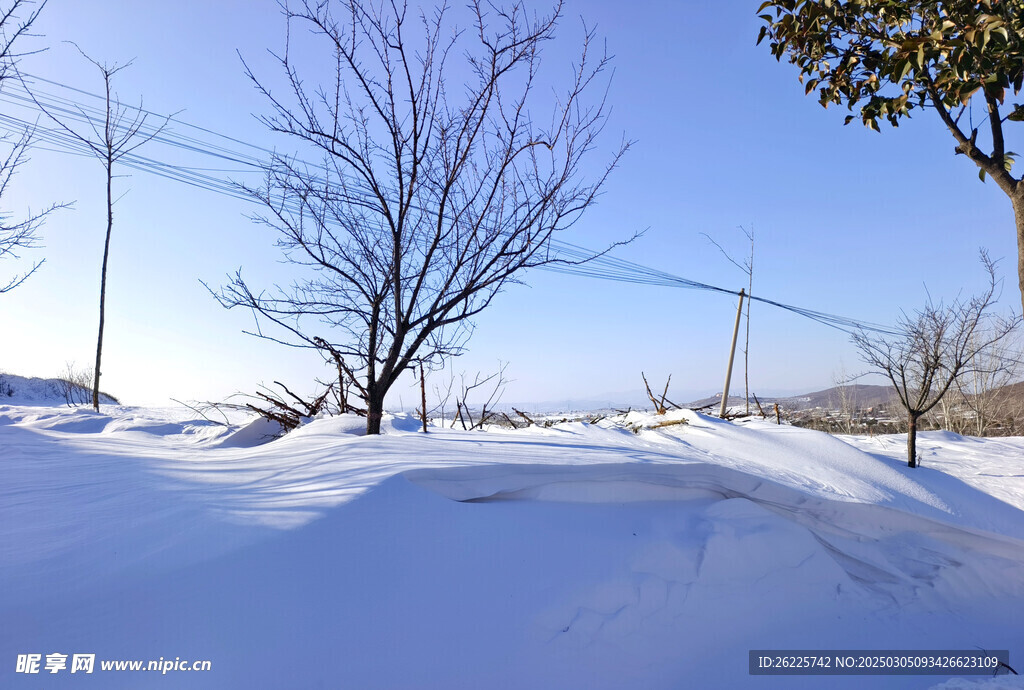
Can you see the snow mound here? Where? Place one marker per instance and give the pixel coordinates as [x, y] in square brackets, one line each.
[257, 432]
[18, 390]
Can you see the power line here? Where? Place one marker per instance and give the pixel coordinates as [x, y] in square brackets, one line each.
[603, 266]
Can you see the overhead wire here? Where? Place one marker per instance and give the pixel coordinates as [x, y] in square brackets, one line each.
[571, 259]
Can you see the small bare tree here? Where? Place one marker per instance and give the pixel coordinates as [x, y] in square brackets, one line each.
[847, 400]
[442, 395]
[122, 130]
[480, 383]
[430, 197]
[934, 348]
[982, 393]
[748, 268]
[659, 403]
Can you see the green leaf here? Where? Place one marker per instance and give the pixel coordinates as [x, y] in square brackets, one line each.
[902, 69]
[981, 174]
[920, 56]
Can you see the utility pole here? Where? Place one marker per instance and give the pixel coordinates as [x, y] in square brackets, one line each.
[732, 355]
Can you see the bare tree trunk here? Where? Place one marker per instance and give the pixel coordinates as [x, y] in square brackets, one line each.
[423, 397]
[103, 288]
[1018, 216]
[374, 411]
[912, 439]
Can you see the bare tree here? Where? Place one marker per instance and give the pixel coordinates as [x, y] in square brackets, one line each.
[442, 397]
[847, 403]
[934, 348]
[983, 392]
[496, 389]
[16, 20]
[122, 130]
[430, 197]
[659, 403]
[748, 268]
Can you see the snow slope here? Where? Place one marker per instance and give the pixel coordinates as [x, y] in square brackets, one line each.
[19, 390]
[579, 556]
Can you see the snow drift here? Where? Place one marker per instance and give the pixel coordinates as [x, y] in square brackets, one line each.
[576, 556]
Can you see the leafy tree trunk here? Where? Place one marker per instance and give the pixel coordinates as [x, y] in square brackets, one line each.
[103, 288]
[912, 418]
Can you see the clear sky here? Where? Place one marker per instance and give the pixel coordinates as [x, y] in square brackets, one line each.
[846, 221]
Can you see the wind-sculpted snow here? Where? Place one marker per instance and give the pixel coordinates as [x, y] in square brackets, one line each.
[883, 550]
[573, 556]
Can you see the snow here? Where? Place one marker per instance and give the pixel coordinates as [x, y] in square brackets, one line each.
[603, 555]
[19, 390]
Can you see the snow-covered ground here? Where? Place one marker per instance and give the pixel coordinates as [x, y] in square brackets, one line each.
[577, 556]
[19, 390]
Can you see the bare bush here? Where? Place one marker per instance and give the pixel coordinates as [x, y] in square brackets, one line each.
[75, 385]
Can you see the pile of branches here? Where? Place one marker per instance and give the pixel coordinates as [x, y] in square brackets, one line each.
[291, 411]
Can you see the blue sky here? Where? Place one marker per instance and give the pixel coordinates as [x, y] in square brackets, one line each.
[846, 221]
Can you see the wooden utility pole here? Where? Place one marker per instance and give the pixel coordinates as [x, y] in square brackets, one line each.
[732, 355]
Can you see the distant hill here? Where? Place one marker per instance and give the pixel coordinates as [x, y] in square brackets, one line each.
[861, 395]
[1014, 392]
[19, 390]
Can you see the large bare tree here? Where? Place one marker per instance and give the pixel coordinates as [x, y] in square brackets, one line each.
[439, 181]
[934, 348]
[122, 130]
